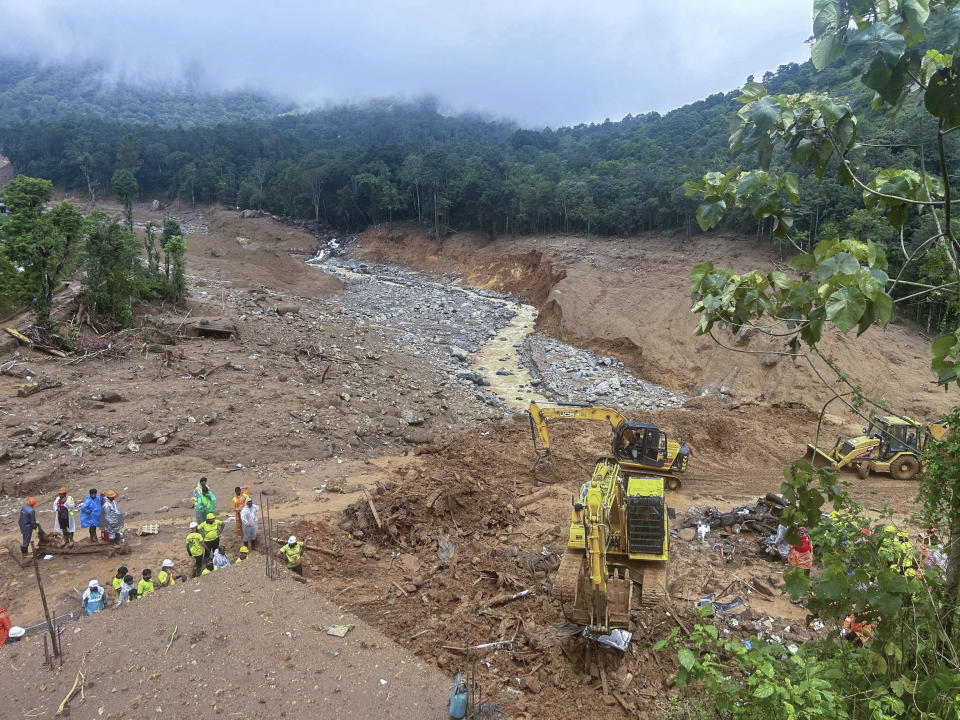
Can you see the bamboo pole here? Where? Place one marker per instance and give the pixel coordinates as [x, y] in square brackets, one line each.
[43, 599]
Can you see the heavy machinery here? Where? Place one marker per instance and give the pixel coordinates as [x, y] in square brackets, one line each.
[891, 444]
[636, 446]
[618, 536]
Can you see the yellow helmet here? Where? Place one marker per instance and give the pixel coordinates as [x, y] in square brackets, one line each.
[210, 516]
[903, 535]
[243, 549]
[889, 529]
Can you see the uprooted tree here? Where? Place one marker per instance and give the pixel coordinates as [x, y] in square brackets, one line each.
[911, 670]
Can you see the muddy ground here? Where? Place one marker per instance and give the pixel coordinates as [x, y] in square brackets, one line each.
[316, 398]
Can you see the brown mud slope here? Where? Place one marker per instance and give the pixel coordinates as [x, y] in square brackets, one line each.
[474, 495]
[630, 297]
[231, 644]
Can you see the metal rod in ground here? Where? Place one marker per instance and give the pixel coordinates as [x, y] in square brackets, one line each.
[46, 653]
[43, 599]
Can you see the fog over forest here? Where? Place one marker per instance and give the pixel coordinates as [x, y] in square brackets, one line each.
[536, 62]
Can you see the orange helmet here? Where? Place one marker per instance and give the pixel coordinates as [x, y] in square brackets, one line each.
[31, 501]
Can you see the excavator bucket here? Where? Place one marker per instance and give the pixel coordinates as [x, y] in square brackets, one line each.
[817, 457]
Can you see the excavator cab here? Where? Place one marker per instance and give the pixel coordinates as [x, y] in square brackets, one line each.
[640, 443]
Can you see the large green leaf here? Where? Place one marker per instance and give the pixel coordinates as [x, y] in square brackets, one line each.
[686, 658]
[825, 50]
[878, 39]
[942, 98]
[765, 113]
[844, 308]
[710, 213]
[915, 12]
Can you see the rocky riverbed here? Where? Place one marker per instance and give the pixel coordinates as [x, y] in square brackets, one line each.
[486, 340]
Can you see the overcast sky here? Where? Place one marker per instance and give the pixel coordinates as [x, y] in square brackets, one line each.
[539, 62]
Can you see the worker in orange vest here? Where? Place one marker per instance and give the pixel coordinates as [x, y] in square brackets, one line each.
[237, 502]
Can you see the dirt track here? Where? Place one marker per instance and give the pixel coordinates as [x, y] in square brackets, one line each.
[318, 404]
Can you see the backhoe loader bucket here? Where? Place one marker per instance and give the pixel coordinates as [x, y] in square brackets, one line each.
[817, 457]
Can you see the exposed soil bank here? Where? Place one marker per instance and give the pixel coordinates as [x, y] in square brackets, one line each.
[629, 297]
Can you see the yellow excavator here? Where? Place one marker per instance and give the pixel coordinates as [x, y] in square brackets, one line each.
[891, 444]
[636, 446]
[618, 536]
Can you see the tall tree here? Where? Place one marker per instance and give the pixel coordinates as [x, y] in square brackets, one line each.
[44, 247]
[125, 187]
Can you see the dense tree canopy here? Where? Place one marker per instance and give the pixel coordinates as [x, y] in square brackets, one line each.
[354, 166]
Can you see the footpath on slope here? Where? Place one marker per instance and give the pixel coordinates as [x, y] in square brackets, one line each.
[231, 643]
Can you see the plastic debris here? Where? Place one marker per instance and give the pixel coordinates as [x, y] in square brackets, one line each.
[619, 639]
[338, 630]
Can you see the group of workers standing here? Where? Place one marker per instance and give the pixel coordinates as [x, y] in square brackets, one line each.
[101, 513]
[97, 513]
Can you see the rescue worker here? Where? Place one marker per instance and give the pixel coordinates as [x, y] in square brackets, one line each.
[237, 503]
[64, 508]
[165, 576]
[92, 599]
[219, 559]
[118, 578]
[249, 522]
[111, 517]
[801, 555]
[211, 528]
[197, 504]
[145, 586]
[28, 523]
[209, 568]
[5, 626]
[244, 553]
[90, 513]
[207, 503]
[291, 552]
[126, 592]
[195, 548]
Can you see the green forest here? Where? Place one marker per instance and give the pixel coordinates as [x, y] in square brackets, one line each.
[30, 92]
[353, 166]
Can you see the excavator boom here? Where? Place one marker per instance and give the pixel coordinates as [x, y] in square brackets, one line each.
[635, 445]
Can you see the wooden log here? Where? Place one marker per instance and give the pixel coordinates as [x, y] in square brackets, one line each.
[31, 388]
[536, 497]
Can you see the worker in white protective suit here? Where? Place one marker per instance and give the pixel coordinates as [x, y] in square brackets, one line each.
[248, 523]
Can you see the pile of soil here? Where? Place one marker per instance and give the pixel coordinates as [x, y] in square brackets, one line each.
[231, 643]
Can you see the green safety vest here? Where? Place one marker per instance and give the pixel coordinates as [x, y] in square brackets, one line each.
[195, 543]
[292, 554]
[210, 529]
[162, 578]
[144, 587]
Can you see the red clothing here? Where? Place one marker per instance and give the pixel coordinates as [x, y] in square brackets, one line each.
[4, 627]
[804, 546]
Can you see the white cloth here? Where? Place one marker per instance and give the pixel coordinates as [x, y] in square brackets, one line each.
[248, 521]
[220, 560]
[71, 506]
[124, 594]
[111, 519]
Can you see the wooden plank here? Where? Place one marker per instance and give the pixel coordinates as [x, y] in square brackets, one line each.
[372, 508]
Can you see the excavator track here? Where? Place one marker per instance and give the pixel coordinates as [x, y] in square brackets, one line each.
[567, 581]
[654, 584]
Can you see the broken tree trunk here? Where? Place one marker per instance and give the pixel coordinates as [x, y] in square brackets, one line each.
[536, 497]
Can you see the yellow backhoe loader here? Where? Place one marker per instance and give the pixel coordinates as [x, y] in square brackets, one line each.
[618, 536]
[636, 446]
[892, 444]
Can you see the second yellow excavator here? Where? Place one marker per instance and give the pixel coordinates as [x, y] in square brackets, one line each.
[639, 447]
